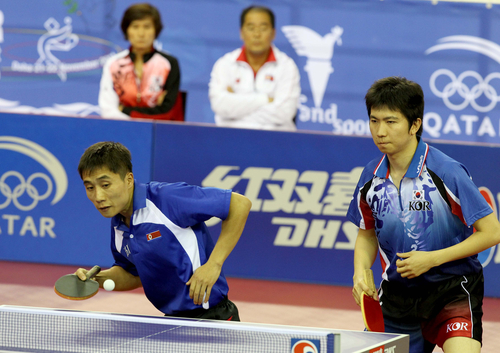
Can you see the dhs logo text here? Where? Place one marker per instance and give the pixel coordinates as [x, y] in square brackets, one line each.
[305, 346]
[419, 203]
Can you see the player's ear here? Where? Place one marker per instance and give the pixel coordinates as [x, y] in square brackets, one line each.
[129, 179]
[416, 126]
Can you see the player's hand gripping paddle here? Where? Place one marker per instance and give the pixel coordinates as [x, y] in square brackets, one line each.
[72, 287]
[372, 312]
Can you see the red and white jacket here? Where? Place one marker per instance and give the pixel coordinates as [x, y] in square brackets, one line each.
[121, 86]
[248, 105]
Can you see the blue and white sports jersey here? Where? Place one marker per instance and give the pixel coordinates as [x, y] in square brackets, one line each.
[435, 207]
[168, 240]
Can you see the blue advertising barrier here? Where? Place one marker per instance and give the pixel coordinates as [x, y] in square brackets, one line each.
[52, 55]
[300, 185]
[45, 215]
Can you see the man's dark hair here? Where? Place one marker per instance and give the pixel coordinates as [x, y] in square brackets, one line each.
[140, 12]
[397, 94]
[256, 8]
[112, 155]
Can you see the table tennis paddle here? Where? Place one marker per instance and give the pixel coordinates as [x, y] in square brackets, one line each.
[371, 309]
[73, 288]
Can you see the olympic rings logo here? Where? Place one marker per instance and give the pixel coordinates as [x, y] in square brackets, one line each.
[24, 185]
[469, 95]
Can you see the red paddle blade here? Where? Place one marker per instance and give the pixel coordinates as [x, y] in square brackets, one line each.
[73, 288]
[372, 314]
[78, 294]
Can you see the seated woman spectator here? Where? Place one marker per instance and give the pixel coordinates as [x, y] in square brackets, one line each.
[141, 82]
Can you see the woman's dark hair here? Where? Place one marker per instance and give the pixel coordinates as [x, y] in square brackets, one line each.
[140, 12]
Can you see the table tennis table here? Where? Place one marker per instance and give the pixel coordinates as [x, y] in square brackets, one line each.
[43, 330]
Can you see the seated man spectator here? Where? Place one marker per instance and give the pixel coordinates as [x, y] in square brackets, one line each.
[256, 86]
[141, 82]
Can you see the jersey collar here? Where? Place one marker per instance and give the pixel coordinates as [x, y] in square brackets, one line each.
[243, 56]
[139, 202]
[416, 165]
[146, 56]
[139, 195]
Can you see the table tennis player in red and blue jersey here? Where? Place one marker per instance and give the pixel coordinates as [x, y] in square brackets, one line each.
[419, 207]
[158, 236]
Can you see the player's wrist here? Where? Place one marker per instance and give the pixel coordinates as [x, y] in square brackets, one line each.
[215, 262]
[436, 258]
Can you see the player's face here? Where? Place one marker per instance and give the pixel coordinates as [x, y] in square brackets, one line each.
[109, 193]
[391, 131]
[257, 32]
[141, 34]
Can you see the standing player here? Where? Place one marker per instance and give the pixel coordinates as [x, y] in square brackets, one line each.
[158, 236]
[256, 86]
[418, 207]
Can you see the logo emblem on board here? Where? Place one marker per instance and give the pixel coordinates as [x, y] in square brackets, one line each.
[469, 94]
[57, 38]
[319, 52]
[14, 187]
[464, 90]
[305, 346]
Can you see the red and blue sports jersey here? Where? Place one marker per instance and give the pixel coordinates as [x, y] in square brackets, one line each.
[435, 207]
[168, 240]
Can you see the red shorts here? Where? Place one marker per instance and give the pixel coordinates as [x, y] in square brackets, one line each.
[451, 308]
[454, 320]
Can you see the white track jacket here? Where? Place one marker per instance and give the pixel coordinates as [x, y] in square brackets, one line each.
[249, 106]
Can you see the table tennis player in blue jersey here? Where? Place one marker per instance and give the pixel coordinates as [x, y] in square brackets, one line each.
[158, 236]
[419, 208]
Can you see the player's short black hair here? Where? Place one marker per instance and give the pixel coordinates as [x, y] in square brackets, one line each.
[112, 155]
[397, 94]
[140, 12]
[256, 8]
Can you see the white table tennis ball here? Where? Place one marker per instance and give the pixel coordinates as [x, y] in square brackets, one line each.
[109, 285]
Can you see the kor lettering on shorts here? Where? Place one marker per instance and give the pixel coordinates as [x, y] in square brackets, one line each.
[457, 326]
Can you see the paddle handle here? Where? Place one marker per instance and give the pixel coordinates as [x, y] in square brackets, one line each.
[93, 271]
[370, 282]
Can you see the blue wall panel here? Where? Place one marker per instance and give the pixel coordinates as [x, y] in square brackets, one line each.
[45, 215]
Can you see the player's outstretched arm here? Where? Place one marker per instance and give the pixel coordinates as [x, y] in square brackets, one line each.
[123, 280]
[487, 234]
[205, 276]
[365, 253]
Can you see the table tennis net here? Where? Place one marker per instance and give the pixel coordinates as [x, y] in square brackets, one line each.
[24, 329]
